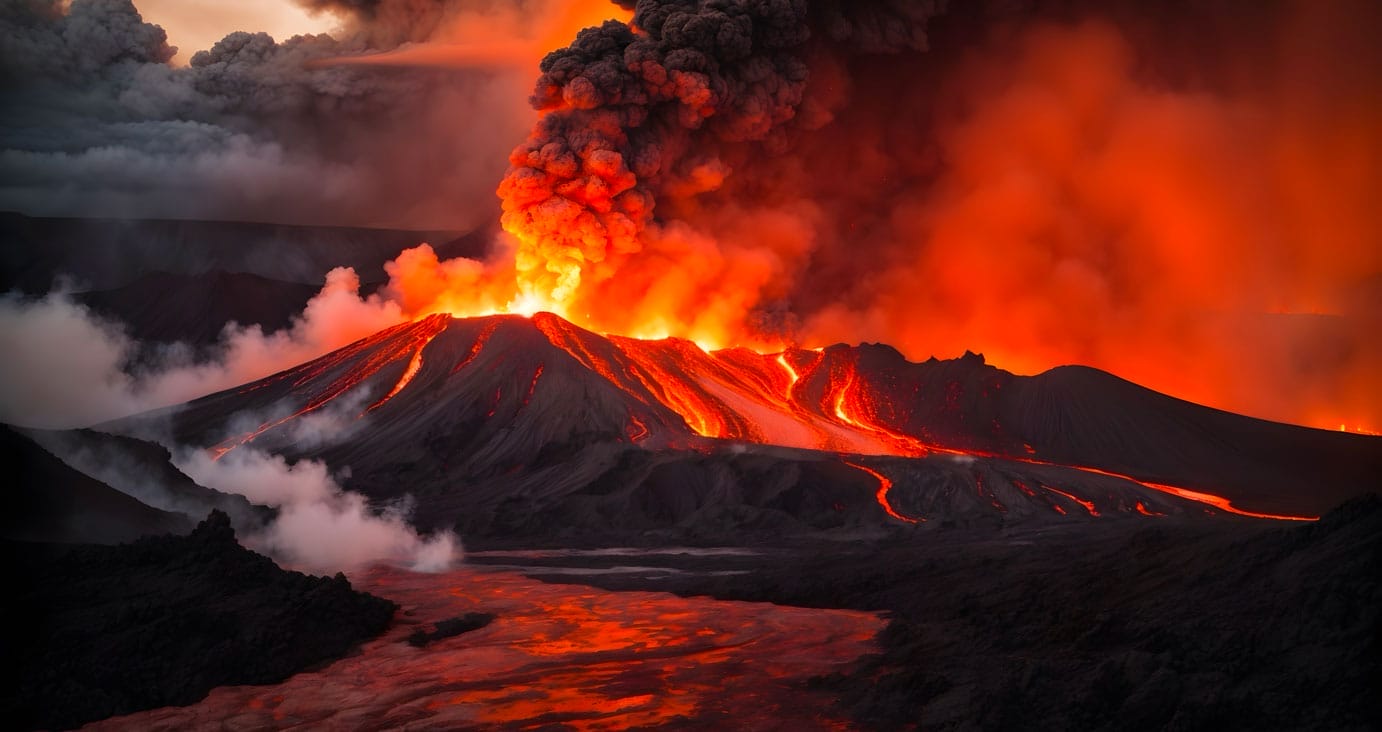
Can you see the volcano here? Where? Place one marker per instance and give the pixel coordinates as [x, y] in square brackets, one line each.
[523, 426]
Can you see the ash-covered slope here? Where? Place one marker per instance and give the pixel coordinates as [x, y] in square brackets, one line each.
[512, 424]
[145, 472]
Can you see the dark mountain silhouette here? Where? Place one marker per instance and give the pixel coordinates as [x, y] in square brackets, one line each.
[103, 254]
[48, 501]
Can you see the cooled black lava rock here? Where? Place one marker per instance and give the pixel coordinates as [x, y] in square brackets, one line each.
[1179, 625]
[96, 631]
[450, 628]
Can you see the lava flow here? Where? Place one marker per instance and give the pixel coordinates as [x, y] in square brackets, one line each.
[556, 656]
[884, 485]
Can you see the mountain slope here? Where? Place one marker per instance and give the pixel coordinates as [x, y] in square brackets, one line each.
[49, 501]
[477, 418]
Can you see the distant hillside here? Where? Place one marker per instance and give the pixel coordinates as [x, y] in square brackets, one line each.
[103, 254]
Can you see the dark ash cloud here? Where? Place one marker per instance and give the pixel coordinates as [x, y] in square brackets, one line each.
[98, 123]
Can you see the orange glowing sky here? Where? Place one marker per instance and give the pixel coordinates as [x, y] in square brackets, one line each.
[479, 38]
[1262, 181]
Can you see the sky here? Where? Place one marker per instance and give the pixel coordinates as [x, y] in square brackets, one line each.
[194, 25]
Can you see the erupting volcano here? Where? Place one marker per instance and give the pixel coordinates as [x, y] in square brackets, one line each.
[1009, 364]
[476, 417]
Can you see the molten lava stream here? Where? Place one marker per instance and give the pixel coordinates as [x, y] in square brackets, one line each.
[1208, 499]
[419, 334]
[479, 345]
[865, 414]
[1088, 505]
[414, 366]
[637, 431]
[1142, 509]
[556, 656]
[666, 373]
[885, 484]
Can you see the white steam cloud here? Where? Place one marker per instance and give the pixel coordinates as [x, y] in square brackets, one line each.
[67, 367]
[320, 527]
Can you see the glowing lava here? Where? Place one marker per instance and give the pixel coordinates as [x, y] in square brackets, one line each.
[884, 485]
[557, 656]
[380, 350]
[1088, 505]
[414, 366]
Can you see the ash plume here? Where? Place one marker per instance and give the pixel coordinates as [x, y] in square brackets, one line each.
[1178, 194]
[637, 110]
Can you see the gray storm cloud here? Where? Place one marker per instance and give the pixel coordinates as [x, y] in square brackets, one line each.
[98, 123]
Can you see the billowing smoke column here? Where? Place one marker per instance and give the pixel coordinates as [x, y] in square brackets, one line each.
[1179, 194]
[631, 113]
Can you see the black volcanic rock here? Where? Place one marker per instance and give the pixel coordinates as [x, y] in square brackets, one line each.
[45, 500]
[91, 632]
[1177, 625]
[449, 628]
[1090, 417]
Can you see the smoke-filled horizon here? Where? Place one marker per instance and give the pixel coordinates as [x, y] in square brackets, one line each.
[1179, 194]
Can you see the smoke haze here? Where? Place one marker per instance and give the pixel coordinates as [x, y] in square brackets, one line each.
[71, 368]
[98, 123]
[319, 527]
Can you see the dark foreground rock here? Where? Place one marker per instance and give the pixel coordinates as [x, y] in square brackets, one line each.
[94, 631]
[1236, 625]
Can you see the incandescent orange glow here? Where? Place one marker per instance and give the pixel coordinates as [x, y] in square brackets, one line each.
[491, 37]
[556, 655]
[1087, 505]
[415, 338]
[414, 365]
[1216, 244]
[1046, 199]
[1142, 509]
[884, 485]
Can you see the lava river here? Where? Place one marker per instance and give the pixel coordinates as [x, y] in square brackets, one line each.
[565, 655]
